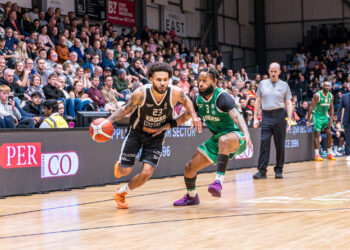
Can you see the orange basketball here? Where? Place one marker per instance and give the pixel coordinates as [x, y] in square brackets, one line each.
[101, 130]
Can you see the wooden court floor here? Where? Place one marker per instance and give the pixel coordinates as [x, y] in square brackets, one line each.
[309, 208]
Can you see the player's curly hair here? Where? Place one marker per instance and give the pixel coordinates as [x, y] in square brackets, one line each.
[156, 67]
[214, 74]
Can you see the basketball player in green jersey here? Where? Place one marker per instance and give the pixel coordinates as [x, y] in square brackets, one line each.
[322, 104]
[230, 136]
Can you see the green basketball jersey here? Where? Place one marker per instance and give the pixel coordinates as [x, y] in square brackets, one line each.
[323, 104]
[216, 120]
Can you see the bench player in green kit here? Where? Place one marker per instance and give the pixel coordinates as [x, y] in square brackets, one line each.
[230, 136]
[322, 103]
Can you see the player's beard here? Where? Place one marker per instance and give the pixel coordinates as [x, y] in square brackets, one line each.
[158, 90]
[207, 92]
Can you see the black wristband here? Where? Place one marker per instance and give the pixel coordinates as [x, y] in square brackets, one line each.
[173, 123]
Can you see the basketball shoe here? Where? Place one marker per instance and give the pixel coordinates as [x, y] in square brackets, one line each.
[215, 188]
[318, 158]
[120, 199]
[187, 201]
[330, 156]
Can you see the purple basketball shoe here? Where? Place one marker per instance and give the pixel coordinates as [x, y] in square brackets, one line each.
[215, 188]
[187, 201]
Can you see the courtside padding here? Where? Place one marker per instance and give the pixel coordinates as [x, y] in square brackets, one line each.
[69, 158]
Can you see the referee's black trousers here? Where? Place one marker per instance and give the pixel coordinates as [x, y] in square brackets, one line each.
[273, 123]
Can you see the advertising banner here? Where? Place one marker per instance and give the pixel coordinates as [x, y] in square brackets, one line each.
[36, 161]
[176, 21]
[121, 12]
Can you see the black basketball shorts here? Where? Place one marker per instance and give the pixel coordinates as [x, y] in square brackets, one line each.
[136, 140]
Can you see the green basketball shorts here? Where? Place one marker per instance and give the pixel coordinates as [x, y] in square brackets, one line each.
[210, 148]
[320, 122]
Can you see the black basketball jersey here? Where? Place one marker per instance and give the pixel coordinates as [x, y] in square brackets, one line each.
[151, 114]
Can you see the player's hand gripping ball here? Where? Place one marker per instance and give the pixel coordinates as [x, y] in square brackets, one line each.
[101, 130]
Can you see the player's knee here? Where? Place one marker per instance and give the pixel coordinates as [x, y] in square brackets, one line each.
[188, 167]
[147, 173]
[125, 171]
[223, 140]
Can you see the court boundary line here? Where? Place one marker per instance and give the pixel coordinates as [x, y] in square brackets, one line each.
[174, 221]
[135, 196]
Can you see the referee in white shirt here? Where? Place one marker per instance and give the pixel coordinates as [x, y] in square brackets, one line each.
[273, 95]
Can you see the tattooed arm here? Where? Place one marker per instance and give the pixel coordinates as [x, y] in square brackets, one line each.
[135, 100]
[180, 96]
[238, 119]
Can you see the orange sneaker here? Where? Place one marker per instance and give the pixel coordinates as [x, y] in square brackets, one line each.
[116, 170]
[331, 157]
[318, 158]
[120, 199]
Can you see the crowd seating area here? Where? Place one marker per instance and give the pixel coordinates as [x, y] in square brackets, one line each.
[93, 67]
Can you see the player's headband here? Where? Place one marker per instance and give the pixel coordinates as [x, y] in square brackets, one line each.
[213, 71]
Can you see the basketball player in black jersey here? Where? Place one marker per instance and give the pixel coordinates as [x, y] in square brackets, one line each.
[151, 108]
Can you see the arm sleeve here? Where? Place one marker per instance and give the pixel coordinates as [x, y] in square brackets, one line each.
[288, 95]
[258, 92]
[225, 102]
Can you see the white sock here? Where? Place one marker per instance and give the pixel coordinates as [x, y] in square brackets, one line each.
[317, 151]
[329, 150]
[220, 177]
[192, 193]
[124, 189]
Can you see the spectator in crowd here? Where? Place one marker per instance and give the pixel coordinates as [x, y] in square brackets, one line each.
[302, 111]
[81, 100]
[2, 66]
[94, 62]
[42, 72]
[68, 74]
[51, 90]
[109, 94]
[122, 84]
[14, 24]
[137, 69]
[73, 60]
[31, 49]
[77, 49]
[44, 39]
[21, 76]
[8, 79]
[62, 50]
[183, 83]
[34, 106]
[9, 114]
[6, 53]
[53, 119]
[94, 93]
[10, 40]
[96, 50]
[109, 61]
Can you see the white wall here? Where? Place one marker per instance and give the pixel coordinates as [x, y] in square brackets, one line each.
[154, 14]
[236, 31]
